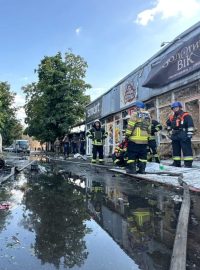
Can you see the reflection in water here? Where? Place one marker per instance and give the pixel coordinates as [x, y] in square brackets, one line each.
[56, 212]
[5, 195]
[55, 230]
[140, 220]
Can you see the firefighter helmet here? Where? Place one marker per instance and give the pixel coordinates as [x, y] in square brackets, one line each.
[96, 120]
[176, 104]
[139, 104]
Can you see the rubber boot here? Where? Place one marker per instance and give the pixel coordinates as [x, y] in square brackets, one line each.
[150, 159]
[176, 163]
[141, 166]
[188, 163]
[101, 161]
[131, 168]
[157, 160]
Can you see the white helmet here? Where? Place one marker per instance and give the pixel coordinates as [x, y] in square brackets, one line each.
[97, 120]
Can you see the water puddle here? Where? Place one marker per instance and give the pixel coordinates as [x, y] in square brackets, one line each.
[97, 221]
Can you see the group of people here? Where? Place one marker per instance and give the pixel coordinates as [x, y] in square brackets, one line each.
[139, 140]
[74, 144]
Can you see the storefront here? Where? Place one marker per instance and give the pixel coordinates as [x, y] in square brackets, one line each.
[173, 74]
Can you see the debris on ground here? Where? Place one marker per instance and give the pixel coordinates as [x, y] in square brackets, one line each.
[79, 156]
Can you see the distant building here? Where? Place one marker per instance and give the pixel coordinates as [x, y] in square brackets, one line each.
[171, 74]
[34, 144]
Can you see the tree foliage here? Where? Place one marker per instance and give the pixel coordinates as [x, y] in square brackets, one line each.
[60, 232]
[57, 102]
[10, 127]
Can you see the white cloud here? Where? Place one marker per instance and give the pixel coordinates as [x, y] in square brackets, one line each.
[19, 103]
[169, 8]
[21, 115]
[78, 30]
[19, 100]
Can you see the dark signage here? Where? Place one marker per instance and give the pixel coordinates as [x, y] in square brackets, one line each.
[93, 111]
[176, 64]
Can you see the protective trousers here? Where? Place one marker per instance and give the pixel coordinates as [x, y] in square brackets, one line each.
[181, 142]
[137, 155]
[152, 145]
[97, 149]
[66, 149]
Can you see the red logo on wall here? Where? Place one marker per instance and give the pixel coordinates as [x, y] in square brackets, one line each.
[129, 93]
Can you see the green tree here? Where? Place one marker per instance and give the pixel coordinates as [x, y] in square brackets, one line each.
[10, 127]
[57, 102]
[57, 213]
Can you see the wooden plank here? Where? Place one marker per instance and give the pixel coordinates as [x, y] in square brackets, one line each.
[178, 260]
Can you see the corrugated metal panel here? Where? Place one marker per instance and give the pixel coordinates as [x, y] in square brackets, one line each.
[111, 101]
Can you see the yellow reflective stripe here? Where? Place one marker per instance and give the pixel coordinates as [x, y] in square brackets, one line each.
[130, 123]
[139, 137]
[143, 160]
[188, 158]
[95, 142]
[130, 161]
[152, 138]
[177, 158]
[190, 129]
[137, 132]
[158, 127]
[97, 188]
[156, 155]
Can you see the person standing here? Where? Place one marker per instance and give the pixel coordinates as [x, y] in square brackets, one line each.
[97, 134]
[152, 145]
[75, 141]
[181, 128]
[138, 131]
[66, 145]
[57, 146]
[82, 144]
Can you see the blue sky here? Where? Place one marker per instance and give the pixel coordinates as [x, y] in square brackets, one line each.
[113, 36]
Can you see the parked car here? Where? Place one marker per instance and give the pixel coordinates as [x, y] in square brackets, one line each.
[9, 148]
[18, 146]
[21, 146]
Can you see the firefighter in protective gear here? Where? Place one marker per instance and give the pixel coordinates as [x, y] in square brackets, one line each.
[138, 131]
[97, 134]
[152, 145]
[120, 154]
[181, 127]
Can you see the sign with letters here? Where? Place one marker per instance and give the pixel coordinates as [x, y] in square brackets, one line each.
[93, 111]
[182, 61]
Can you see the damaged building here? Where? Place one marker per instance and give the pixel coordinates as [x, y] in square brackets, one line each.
[173, 74]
